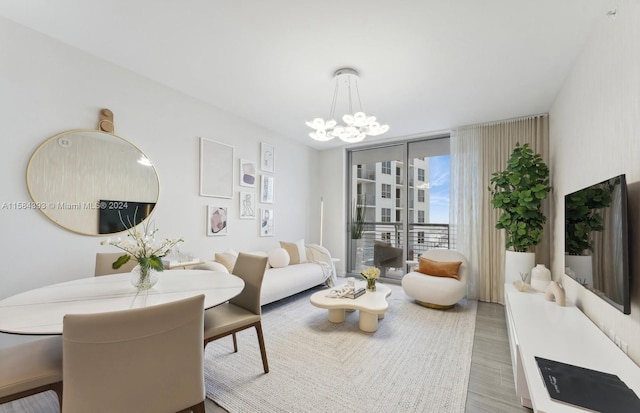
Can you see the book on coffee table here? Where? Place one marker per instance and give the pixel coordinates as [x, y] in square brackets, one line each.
[357, 293]
[590, 389]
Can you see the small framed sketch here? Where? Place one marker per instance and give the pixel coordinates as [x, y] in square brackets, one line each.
[248, 173]
[266, 189]
[267, 157]
[247, 205]
[266, 222]
[216, 221]
[216, 169]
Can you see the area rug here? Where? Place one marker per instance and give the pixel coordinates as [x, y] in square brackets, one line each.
[417, 361]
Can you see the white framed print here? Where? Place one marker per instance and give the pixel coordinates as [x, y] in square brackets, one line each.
[248, 173]
[266, 189]
[216, 169]
[266, 222]
[267, 157]
[247, 205]
[216, 221]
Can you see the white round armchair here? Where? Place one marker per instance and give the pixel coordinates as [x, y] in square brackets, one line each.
[438, 291]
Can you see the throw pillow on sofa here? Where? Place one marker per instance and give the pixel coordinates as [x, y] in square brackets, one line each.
[278, 258]
[296, 250]
[227, 258]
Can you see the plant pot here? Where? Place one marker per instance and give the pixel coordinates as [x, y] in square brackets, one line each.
[516, 263]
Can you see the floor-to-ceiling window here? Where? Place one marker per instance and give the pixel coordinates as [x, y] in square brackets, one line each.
[399, 203]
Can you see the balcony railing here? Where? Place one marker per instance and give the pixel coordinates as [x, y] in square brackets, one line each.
[420, 238]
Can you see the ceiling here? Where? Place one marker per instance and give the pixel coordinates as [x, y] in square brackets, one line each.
[425, 65]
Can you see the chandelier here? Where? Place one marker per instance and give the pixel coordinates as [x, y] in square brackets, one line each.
[357, 125]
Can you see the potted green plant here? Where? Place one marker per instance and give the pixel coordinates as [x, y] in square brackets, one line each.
[518, 191]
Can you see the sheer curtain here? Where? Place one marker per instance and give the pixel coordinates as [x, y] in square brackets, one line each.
[476, 152]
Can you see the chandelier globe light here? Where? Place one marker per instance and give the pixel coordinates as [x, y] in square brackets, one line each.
[357, 125]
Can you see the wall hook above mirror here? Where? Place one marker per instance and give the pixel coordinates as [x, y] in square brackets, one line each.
[106, 121]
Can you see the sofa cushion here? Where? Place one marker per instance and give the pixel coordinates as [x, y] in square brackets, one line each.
[278, 258]
[296, 250]
[439, 269]
[227, 258]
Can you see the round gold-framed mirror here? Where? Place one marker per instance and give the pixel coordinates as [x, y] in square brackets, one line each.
[92, 182]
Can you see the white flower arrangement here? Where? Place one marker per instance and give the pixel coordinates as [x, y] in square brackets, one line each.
[143, 247]
[371, 273]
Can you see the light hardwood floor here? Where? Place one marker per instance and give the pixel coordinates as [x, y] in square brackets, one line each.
[491, 388]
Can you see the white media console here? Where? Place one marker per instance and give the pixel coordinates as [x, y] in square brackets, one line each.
[542, 328]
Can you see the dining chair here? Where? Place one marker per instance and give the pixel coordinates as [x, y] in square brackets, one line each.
[104, 260]
[242, 311]
[29, 365]
[139, 360]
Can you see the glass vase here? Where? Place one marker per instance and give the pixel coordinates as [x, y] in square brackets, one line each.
[143, 277]
[371, 284]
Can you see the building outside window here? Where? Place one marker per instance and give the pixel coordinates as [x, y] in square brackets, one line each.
[385, 236]
[420, 237]
[386, 167]
[420, 195]
[386, 214]
[386, 191]
[421, 217]
[420, 174]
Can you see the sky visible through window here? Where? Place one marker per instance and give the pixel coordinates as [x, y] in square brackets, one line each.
[439, 189]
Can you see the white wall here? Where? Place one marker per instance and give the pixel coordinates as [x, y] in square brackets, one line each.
[594, 135]
[47, 88]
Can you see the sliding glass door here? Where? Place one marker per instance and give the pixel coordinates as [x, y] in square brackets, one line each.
[399, 204]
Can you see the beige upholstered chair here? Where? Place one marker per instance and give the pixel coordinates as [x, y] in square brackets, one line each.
[243, 311]
[140, 360]
[104, 260]
[438, 292]
[29, 365]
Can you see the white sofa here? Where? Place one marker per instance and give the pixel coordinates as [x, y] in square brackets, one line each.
[283, 281]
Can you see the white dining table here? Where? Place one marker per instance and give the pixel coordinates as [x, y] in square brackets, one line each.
[41, 310]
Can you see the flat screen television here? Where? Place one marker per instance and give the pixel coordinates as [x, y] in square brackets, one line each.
[597, 241]
[116, 216]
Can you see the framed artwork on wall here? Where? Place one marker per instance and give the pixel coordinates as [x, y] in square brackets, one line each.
[216, 221]
[266, 189]
[266, 222]
[267, 157]
[216, 169]
[247, 205]
[248, 173]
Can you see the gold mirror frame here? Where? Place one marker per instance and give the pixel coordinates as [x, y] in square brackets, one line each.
[84, 180]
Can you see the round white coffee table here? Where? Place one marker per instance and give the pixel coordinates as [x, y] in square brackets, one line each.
[371, 305]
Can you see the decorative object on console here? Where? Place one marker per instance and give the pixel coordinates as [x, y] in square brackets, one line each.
[267, 157]
[247, 173]
[358, 125]
[554, 291]
[216, 169]
[522, 285]
[148, 252]
[371, 274]
[519, 191]
[216, 220]
[540, 277]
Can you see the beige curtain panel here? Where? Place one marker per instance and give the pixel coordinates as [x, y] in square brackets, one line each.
[477, 151]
